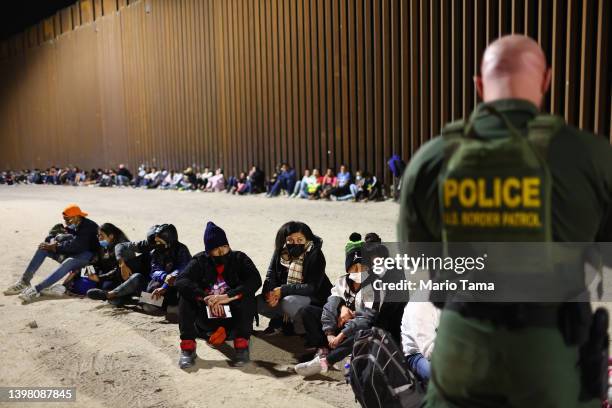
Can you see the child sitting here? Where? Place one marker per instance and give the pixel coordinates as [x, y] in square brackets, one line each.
[352, 306]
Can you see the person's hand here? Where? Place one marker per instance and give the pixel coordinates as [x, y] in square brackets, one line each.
[273, 297]
[217, 310]
[330, 339]
[214, 300]
[337, 340]
[48, 247]
[93, 277]
[126, 272]
[346, 314]
[158, 293]
[170, 279]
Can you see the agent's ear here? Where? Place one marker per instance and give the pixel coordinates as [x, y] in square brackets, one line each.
[479, 86]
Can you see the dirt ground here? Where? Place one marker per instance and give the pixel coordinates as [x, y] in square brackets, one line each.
[123, 358]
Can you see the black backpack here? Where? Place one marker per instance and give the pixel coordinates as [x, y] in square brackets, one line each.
[379, 375]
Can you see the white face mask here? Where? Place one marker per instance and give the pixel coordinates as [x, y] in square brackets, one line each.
[355, 277]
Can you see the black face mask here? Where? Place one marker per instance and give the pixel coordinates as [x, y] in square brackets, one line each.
[220, 260]
[160, 247]
[295, 250]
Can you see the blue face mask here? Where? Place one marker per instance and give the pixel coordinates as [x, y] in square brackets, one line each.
[71, 227]
[104, 244]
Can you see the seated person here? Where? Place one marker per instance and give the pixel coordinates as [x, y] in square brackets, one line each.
[124, 176]
[284, 182]
[353, 305]
[342, 186]
[328, 183]
[419, 326]
[216, 277]
[189, 180]
[296, 277]
[168, 259]
[312, 185]
[74, 254]
[255, 181]
[104, 264]
[354, 188]
[371, 189]
[203, 178]
[216, 183]
[239, 184]
[300, 184]
[132, 274]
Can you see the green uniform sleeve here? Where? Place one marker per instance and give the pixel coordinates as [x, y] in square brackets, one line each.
[419, 219]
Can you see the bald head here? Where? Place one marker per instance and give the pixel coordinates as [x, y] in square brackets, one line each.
[513, 66]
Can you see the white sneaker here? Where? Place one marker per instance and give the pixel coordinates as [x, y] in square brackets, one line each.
[16, 288]
[54, 291]
[312, 367]
[29, 295]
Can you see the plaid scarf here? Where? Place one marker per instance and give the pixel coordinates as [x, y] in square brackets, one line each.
[294, 266]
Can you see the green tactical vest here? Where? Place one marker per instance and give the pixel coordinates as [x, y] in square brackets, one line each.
[497, 189]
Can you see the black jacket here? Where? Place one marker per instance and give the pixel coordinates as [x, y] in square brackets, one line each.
[239, 273]
[86, 239]
[386, 313]
[316, 284]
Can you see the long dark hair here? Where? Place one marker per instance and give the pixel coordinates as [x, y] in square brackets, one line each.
[289, 228]
[112, 229]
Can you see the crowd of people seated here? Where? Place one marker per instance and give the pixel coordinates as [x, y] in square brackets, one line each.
[340, 186]
[218, 293]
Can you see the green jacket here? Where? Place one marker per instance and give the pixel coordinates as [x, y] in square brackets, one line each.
[580, 164]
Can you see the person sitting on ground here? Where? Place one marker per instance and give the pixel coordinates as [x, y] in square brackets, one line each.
[107, 272]
[216, 183]
[139, 179]
[189, 180]
[295, 278]
[124, 176]
[256, 181]
[301, 184]
[370, 189]
[216, 277]
[419, 326]
[312, 186]
[133, 271]
[329, 182]
[102, 268]
[155, 178]
[78, 253]
[285, 181]
[168, 259]
[203, 179]
[353, 305]
[272, 180]
[354, 188]
[231, 184]
[343, 184]
[241, 184]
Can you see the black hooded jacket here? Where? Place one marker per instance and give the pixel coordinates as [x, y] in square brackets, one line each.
[239, 273]
[316, 284]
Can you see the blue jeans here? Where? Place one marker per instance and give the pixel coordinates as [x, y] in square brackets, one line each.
[419, 366]
[353, 193]
[304, 190]
[135, 284]
[74, 262]
[283, 182]
[123, 180]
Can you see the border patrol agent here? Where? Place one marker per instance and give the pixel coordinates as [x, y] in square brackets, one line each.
[508, 174]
